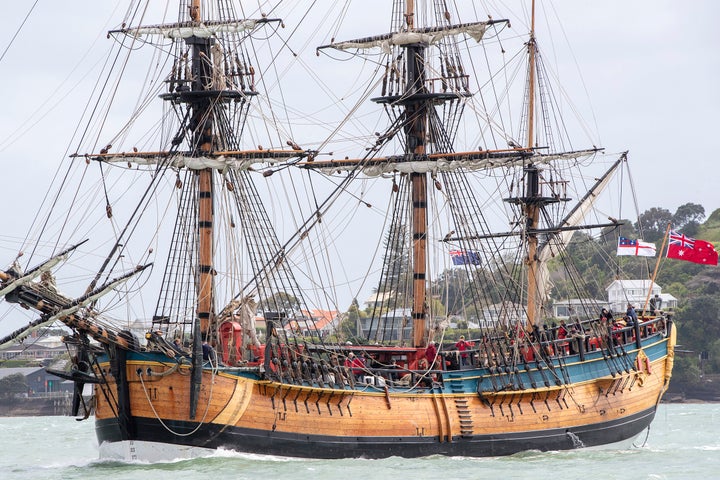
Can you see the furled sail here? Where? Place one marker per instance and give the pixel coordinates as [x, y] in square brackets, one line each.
[193, 29]
[447, 162]
[428, 36]
[237, 161]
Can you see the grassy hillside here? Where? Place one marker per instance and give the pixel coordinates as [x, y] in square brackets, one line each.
[710, 230]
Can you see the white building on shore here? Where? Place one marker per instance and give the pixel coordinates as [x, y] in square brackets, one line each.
[635, 292]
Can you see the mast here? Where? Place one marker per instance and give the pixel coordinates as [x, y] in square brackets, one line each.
[202, 126]
[531, 202]
[531, 80]
[416, 117]
[411, 93]
[532, 208]
[211, 84]
[202, 121]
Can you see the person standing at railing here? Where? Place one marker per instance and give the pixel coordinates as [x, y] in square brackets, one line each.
[631, 313]
[431, 356]
[462, 347]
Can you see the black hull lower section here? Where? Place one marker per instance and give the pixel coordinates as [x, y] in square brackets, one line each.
[315, 446]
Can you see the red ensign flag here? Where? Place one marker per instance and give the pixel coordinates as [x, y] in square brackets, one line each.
[689, 249]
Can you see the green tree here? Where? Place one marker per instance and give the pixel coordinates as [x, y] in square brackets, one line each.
[437, 308]
[584, 270]
[282, 302]
[686, 370]
[699, 324]
[396, 274]
[349, 325]
[687, 214]
[652, 223]
[451, 286]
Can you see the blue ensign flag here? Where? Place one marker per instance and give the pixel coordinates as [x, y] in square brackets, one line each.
[464, 257]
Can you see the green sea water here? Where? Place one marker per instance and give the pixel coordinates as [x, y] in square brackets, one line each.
[683, 443]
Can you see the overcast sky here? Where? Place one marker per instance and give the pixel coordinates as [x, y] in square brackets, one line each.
[650, 71]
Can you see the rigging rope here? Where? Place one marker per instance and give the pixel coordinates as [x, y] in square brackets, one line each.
[207, 406]
[17, 32]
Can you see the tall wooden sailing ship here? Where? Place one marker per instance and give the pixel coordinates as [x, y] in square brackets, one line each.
[202, 377]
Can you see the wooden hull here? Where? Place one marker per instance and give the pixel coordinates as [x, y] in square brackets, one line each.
[250, 415]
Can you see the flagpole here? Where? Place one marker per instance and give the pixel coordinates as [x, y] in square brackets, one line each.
[657, 265]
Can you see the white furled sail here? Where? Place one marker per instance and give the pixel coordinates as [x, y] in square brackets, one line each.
[221, 162]
[470, 161]
[184, 30]
[428, 36]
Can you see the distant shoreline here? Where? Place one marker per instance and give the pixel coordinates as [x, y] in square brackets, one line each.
[33, 407]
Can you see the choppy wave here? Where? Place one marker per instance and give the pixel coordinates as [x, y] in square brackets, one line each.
[680, 446]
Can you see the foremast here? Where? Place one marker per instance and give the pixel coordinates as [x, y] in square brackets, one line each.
[210, 86]
[202, 118]
[208, 93]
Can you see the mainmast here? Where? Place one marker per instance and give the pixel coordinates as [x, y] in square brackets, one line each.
[532, 48]
[416, 118]
[413, 94]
